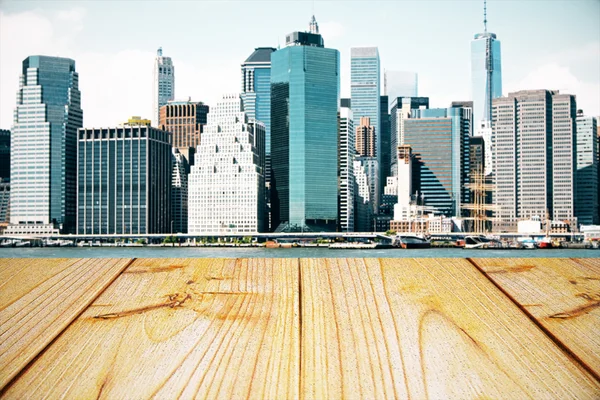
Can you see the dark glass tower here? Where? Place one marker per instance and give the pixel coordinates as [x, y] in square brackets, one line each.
[305, 84]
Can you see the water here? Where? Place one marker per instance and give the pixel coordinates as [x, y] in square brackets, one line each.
[254, 252]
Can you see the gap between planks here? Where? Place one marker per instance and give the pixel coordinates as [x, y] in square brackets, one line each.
[75, 317]
[537, 323]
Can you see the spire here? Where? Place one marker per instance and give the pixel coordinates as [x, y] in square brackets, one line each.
[313, 27]
[485, 16]
[159, 52]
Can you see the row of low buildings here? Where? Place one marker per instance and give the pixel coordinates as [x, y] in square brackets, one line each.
[287, 154]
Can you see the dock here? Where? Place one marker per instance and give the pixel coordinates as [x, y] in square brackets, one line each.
[300, 328]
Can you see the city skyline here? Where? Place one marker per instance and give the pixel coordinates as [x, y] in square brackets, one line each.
[566, 59]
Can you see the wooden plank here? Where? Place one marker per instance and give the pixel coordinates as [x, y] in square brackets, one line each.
[562, 295]
[39, 298]
[424, 328]
[166, 328]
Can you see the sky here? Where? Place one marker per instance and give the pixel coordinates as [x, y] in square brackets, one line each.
[546, 44]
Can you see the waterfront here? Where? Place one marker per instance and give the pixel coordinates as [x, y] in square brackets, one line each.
[256, 252]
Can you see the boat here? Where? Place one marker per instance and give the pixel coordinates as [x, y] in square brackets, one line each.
[353, 245]
[481, 242]
[527, 243]
[22, 243]
[548, 243]
[412, 242]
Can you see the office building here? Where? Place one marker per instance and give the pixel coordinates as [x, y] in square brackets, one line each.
[486, 76]
[4, 154]
[44, 147]
[400, 84]
[365, 138]
[305, 87]
[4, 203]
[227, 183]
[124, 181]
[163, 88]
[402, 209]
[439, 139]
[179, 192]
[365, 90]
[586, 195]
[347, 153]
[386, 143]
[363, 200]
[185, 120]
[534, 157]
[401, 109]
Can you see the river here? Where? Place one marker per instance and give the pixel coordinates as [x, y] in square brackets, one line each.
[300, 252]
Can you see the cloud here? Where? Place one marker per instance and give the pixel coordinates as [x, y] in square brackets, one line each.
[554, 76]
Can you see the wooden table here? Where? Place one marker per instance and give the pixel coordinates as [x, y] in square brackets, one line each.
[300, 328]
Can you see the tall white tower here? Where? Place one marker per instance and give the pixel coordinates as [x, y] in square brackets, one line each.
[163, 88]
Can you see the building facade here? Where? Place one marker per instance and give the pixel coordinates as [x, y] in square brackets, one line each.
[124, 181]
[386, 143]
[347, 151]
[365, 90]
[401, 109]
[185, 120]
[365, 138]
[44, 147]
[534, 157]
[363, 201]
[4, 154]
[227, 183]
[179, 192]
[439, 139]
[486, 77]
[163, 88]
[305, 87]
[586, 194]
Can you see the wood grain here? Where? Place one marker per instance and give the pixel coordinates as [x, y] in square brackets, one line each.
[169, 328]
[426, 328]
[39, 298]
[562, 295]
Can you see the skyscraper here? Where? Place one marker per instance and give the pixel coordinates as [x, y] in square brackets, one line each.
[400, 84]
[226, 185]
[401, 108]
[256, 98]
[185, 120]
[44, 147]
[347, 152]
[124, 181]
[163, 88]
[365, 138]
[486, 75]
[179, 192]
[534, 156]
[386, 144]
[586, 199]
[305, 87]
[439, 139]
[4, 154]
[365, 90]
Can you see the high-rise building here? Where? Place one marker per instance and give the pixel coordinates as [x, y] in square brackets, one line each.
[400, 84]
[401, 108]
[185, 120]
[486, 75]
[402, 209]
[534, 157]
[439, 139]
[347, 152]
[586, 195]
[179, 192]
[124, 181]
[44, 147]
[256, 98]
[227, 183]
[305, 87]
[365, 138]
[163, 88]
[4, 204]
[363, 200]
[4, 154]
[365, 90]
[386, 144]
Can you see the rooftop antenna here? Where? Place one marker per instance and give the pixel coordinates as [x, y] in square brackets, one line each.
[485, 16]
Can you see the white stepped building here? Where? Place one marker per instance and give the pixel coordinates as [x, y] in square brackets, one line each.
[227, 183]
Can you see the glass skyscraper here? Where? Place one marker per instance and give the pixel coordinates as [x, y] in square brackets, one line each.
[486, 77]
[365, 91]
[305, 84]
[163, 87]
[44, 147]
